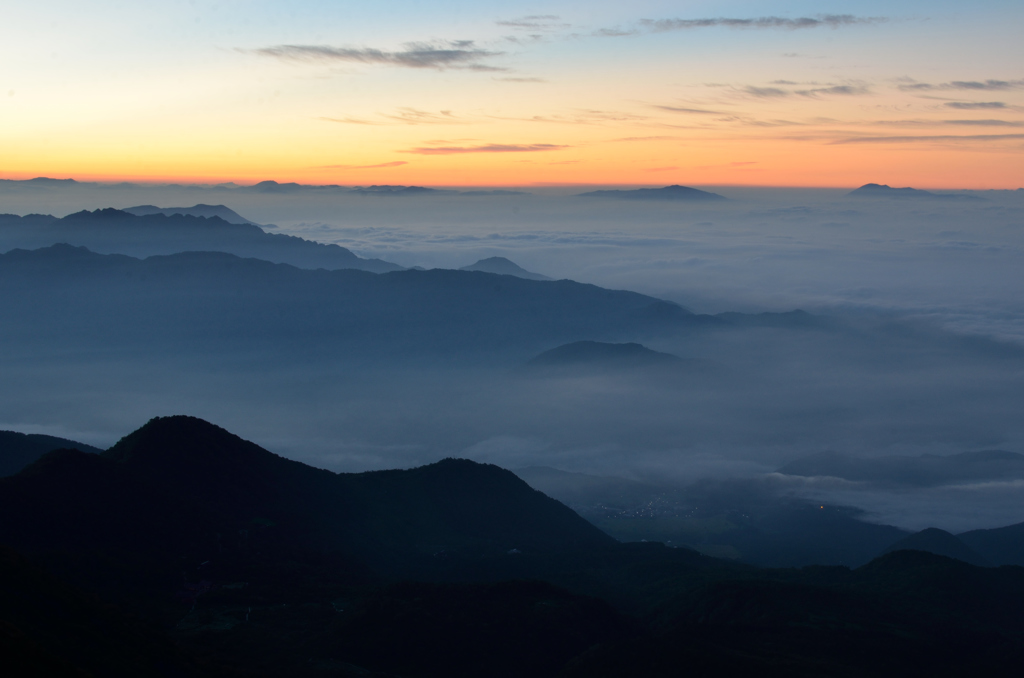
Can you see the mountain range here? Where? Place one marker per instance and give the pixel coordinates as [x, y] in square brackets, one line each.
[185, 550]
[204, 301]
[148, 233]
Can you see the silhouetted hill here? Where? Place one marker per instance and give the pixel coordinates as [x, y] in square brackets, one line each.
[48, 628]
[200, 210]
[596, 354]
[885, 191]
[181, 485]
[18, 450]
[202, 302]
[121, 232]
[237, 562]
[1000, 546]
[939, 542]
[674, 192]
[907, 613]
[925, 470]
[502, 266]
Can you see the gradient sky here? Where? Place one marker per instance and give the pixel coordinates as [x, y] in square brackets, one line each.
[929, 94]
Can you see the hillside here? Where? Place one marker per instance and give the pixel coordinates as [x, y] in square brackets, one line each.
[197, 303]
[143, 232]
[18, 450]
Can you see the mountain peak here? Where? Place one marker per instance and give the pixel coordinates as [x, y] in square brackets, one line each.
[673, 192]
[939, 542]
[600, 354]
[503, 266]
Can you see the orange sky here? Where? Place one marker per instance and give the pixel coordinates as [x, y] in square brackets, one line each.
[604, 96]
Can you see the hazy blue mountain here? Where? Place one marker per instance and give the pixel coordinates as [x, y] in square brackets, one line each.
[885, 191]
[200, 210]
[208, 302]
[598, 354]
[674, 192]
[999, 546]
[503, 266]
[119, 232]
[585, 490]
[939, 542]
[925, 470]
[18, 450]
[739, 520]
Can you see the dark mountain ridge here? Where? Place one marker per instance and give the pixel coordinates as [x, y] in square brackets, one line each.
[211, 301]
[939, 542]
[238, 562]
[18, 450]
[199, 210]
[182, 485]
[142, 235]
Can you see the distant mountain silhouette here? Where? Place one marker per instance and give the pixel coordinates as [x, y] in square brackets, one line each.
[925, 470]
[208, 302]
[503, 266]
[18, 450]
[939, 542]
[200, 210]
[885, 191]
[603, 355]
[674, 192]
[182, 485]
[383, 190]
[1000, 546]
[121, 232]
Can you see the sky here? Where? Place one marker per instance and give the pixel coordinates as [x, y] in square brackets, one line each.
[927, 94]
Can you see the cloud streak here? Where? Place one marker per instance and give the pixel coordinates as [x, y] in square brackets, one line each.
[395, 163]
[969, 85]
[487, 148]
[974, 105]
[453, 54]
[929, 139]
[833, 21]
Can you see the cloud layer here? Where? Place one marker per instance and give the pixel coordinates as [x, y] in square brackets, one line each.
[457, 54]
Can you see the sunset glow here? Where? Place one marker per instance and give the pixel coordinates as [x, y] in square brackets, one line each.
[797, 93]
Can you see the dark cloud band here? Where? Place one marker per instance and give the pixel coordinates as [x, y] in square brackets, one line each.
[461, 54]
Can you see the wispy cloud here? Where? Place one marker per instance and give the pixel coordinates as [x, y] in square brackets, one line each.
[456, 54]
[765, 22]
[765, 92]
[396, 163]
[954, 138]
[833, 21]
[486, 148]
[535, 22]
[405, 116]
[814, 91]
[975, 85]
[511, 79]
[841, 90]
[683, 109]
[974, 105]
[986, 123]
